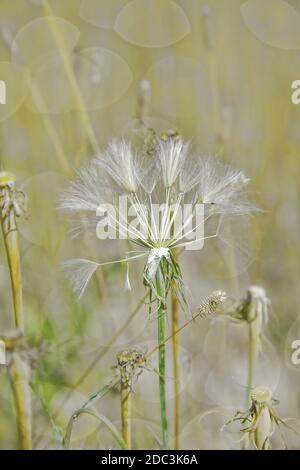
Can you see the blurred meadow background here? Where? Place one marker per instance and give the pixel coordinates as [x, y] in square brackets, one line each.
[79, 72]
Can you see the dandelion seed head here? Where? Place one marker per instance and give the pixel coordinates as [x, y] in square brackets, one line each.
[190, 175]
[172, 154]
[86, 192]
[223, 187]
[79, 272]
[165, 174]
[122, 165]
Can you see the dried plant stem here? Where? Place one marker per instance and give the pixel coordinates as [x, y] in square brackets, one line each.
[102, 353]
[18, 370]
[253, 350]
[11, 240]
[126, 413]
[71, 76]
[161, 292]
[129, 362]
[19, 374]
[176, 367]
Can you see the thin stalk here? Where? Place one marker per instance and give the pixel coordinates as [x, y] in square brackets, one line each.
[11, 201]
[19, 375]
[11, 241]
[72, 78]
[103, 351]
[176, 367]
[253, 351]
[208, 308]
[110, 426]
[126, 413]
[176, 357]
[8, 202]
[143, 101]
[162, 311]
[209, 40]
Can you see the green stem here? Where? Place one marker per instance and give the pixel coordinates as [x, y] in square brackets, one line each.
[161, 292]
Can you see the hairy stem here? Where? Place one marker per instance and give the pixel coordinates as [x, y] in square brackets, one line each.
[161, 292]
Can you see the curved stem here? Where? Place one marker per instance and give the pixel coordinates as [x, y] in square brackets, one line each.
[100, 418]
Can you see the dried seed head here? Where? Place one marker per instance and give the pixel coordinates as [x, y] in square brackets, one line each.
[261, 395]
[258, 306]
[130, 363]
[257, 293]
[263, 430]
[6, 179]
[255, 308]
[260, 421]
[211, 304]
[12, 201]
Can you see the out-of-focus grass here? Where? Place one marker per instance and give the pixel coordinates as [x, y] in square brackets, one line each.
[230, 94]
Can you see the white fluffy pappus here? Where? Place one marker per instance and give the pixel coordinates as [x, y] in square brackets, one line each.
[169, 176]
